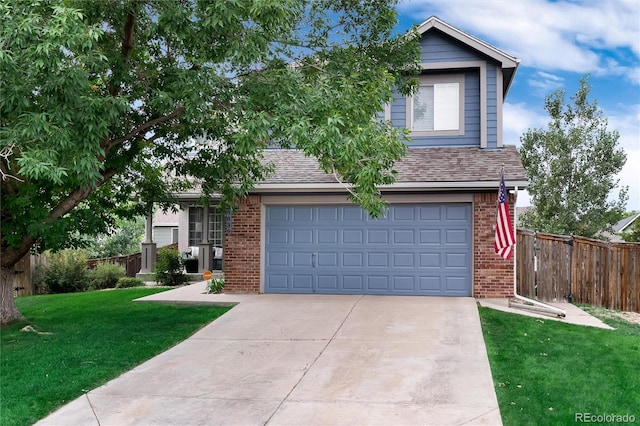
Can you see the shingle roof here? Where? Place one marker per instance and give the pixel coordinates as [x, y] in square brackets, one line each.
[421, 165]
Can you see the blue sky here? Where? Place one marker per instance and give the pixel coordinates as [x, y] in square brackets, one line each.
[557, 42]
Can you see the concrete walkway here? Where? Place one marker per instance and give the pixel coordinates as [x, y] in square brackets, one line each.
[308, 359]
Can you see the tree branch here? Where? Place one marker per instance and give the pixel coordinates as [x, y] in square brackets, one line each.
[109, 144]
[12, 255]
[127, 45]
[127, 38]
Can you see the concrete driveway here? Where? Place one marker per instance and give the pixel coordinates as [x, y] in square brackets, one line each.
[312, 360]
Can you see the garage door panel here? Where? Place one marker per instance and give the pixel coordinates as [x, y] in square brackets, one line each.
[303, 236]
[404, 236]
[430, 213]
[456, 213]
[378, 236]
[422, 249]
[456, 260]
[277, 259]
[403, 260]
[278, 236]
[352, 259]
[455, 284]
[327, 260]
[378, 283]
[304, 259]
[302, 281]
[352, 283]
[352, 213]
[352, 236]
[402, 213]
[278, 214]
[456, 236]
[430, 260]
[303, 214]
[327, 282]
[430, 284]
[404, 284]
[327, 236]
[378, 260]
[278, 282]
[430, 236]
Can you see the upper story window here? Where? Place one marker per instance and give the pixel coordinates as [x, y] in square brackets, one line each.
[437, 108]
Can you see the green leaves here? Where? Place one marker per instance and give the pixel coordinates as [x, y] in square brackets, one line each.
[104, 103]
[572, 168]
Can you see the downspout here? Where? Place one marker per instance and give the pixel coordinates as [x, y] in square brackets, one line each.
[542, 307]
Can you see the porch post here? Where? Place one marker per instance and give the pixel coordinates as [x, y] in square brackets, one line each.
[204, 248]
[148, 247]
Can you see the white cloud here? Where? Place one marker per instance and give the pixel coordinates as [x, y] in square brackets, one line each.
[544, 82]
[517, 119]
[626, 122]
[562, 35]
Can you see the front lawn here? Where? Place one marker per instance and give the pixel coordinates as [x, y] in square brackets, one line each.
[80, 341]
[552, 373]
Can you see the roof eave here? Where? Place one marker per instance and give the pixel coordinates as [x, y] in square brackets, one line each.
[398, 186]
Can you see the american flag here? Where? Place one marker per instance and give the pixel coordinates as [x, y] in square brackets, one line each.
[505, 239]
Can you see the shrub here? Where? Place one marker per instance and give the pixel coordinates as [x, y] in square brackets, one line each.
[169, 267]
[128, 282]
[67, 272]
[215, 285]
[106, 275]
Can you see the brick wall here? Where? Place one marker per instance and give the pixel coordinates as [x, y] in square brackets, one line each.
[242, 249]
[493, 276]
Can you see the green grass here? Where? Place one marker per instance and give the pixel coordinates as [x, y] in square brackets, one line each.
[94, 337]
[546, 371]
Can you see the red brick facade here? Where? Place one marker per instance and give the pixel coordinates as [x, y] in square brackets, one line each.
[242, 249]
[493, 276]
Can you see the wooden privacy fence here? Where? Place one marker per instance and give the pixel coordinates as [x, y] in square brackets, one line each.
[131, 263]
[556, 267]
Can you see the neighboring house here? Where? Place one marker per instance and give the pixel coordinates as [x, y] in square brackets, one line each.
[165, 228]
[621, 227]
[298, 233]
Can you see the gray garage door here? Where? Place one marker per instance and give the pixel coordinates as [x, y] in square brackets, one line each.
[416, 249]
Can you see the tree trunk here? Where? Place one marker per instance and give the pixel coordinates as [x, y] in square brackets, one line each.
[8, 310]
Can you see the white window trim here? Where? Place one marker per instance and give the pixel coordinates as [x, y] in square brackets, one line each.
[430, 80]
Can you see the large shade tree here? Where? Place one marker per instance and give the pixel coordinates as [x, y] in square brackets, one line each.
[572, 167]
[104, 102]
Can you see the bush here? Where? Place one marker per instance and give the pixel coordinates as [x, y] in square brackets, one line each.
[215, 285]
[67, 272]
[106, 275]
[128, 282]
[169, 267]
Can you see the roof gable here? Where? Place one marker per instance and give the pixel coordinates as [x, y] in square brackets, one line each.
[508, 63]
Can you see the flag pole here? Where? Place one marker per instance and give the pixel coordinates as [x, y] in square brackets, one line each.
[559, 312]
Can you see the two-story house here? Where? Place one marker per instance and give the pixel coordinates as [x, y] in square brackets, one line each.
[298, 233]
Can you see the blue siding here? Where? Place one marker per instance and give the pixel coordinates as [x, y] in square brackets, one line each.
[492, 106]
[439, 48]
[421, 249]
[399, 111]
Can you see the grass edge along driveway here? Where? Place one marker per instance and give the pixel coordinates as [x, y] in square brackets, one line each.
[81, 341]
[552, 373]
